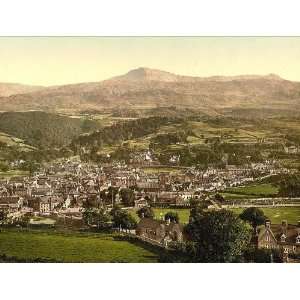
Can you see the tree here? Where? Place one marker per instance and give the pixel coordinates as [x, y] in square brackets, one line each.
[218, 236]
[219, 198]
[172, 216]
[127, 196]
[121, 218]
[102, 218]
[145, 212]
[2, 216]
[289, 186]
[254, 216]
[197, 207]
[99, 217]
[88, 215]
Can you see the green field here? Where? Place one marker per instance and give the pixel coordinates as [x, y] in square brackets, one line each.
[265, 189]
[72, 247]
[276, 215]
[14, 173]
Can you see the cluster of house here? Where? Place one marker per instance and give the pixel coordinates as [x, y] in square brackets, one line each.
[64, 188]
[68, 185]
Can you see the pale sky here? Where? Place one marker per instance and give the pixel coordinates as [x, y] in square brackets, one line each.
[64, 60]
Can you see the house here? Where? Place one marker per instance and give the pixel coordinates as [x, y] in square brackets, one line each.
[284, 237]
[169, 198]
[291, 149]
[45, 204]
[141, 202]
[159, 231]
[11, 203]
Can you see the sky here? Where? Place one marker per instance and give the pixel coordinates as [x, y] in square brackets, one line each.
[64, 60]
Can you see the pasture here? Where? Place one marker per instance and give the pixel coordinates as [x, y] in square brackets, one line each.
[278, 214]
[72, 247]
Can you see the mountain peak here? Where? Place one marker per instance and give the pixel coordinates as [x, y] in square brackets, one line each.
[147, 74]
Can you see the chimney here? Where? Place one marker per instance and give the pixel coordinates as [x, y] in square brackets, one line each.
[268, 224]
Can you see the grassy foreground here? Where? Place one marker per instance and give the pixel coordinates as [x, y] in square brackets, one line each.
[72, 247]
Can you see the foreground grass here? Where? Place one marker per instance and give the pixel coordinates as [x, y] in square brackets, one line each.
[278, 214]
[72, 247]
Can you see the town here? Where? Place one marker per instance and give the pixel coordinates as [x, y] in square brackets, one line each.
[68, 193]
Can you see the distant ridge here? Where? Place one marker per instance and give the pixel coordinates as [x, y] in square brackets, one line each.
[8, 89]
[151, 88]
[147, 74]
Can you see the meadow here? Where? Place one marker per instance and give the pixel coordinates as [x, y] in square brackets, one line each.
[278, 214]
[275, 214]
[72, 247]
[14, 173]
[250, 191]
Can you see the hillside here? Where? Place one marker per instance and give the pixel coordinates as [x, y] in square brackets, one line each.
[43, 129]
[148, 88]
[8, 89]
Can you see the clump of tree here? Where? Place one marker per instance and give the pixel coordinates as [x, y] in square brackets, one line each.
[170, 138]
[172, 217]
[122, 219]
[145, 212]
[97, 217]
[2, 216]
[119, 132]
[254, 216]
[127, 197]
[217, 236]
[44, 130]
[289, 185]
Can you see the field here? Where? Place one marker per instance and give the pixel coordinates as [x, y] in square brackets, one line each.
[72, 247]
[13, 173]
[278, 214]
[250, 191]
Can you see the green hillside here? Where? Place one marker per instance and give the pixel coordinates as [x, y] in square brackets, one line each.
[41, 129]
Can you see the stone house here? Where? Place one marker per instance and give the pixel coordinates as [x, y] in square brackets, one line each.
[159, 231]
[284, 237]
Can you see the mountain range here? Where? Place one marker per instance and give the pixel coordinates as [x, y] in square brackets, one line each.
[148, 88]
